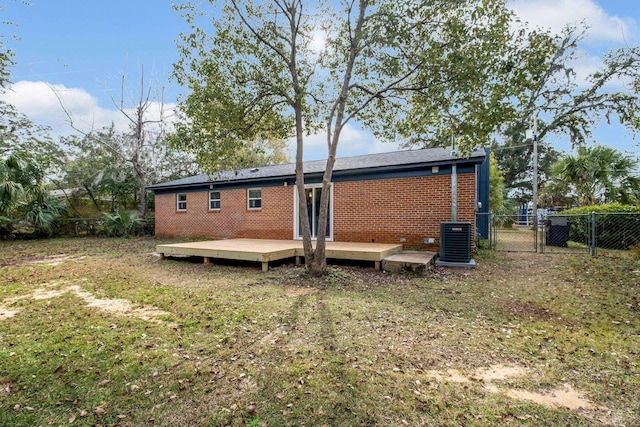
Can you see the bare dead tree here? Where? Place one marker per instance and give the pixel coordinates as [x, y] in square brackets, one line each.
[137, 145]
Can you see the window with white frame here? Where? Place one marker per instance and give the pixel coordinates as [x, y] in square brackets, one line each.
[254, 198]
[181, 201]
[214, 200]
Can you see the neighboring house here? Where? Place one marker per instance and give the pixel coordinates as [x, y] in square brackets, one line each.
[399, 197]
[64, 193]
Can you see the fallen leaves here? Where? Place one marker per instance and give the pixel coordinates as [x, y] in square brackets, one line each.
[353, 351]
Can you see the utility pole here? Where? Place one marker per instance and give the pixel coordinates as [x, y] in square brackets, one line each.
[535, 173]
[533, 134]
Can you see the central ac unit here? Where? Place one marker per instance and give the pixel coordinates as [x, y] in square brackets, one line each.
[455, 242]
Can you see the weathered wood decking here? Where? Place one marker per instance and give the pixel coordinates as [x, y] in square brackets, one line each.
[264, 251]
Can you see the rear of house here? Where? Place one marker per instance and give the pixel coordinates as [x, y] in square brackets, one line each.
[399, 197]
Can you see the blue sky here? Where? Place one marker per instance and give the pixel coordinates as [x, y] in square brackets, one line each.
[82, 48]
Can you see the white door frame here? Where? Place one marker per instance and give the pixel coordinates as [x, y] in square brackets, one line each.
[298, 236]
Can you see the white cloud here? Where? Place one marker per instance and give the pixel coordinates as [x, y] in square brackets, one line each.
[604, 30]
[41, 102]
[353, 142]
[38, 100]
[556, 14]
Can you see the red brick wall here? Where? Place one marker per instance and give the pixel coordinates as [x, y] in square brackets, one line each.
[233, 220]
[387, 210]
[382, 211]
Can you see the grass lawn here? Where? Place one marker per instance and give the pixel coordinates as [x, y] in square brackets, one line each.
[101, 332]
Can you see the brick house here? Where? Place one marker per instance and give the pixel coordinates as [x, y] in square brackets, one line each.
[384, 198]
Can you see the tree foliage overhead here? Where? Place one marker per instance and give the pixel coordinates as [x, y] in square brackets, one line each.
[422, 72]
[233, 117]
[575, 109]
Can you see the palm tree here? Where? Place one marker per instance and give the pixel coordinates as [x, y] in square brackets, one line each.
[599, 175]
[24, 197]
[11, 189]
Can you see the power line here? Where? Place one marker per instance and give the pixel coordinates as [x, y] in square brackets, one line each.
[510, 147]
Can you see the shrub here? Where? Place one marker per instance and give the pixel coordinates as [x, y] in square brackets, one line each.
[6, 227]
[610, 208]
[127, 223]
[617, 226]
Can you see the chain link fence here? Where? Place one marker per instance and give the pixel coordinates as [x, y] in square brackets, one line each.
[569, 234]
[80, 227]
[511, 233]
[87, 227]
[591, 233]
[615, 231]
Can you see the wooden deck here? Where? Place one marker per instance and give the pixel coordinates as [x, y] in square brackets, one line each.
[264, 251]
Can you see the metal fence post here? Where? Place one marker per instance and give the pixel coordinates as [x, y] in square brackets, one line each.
[593, 234]
[492, 233]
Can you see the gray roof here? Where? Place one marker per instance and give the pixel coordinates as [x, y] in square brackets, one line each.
[354, 163]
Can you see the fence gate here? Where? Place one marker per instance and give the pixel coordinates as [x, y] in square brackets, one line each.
[592, 233]
[509, 233]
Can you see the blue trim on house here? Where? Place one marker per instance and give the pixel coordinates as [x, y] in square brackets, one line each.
[482, 221]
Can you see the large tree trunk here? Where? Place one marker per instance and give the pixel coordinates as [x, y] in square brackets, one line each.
[143, 198]
[142, 177]
[303, 213]
[337, 119]
[294, 15]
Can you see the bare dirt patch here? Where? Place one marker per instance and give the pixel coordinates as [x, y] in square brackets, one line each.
[498, 373]
[492, 376]
[121, 307]
[55, 260]
[565, 398]
[488, 374]
[5, 313]
[118, 307]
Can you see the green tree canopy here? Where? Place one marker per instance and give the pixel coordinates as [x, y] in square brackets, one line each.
[598, 175]
[515, 159]
[26, 204]
[28, 155]
[496, 185]
[101, 168]
[568, 109]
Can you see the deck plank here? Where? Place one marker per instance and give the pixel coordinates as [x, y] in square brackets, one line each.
[264, 251]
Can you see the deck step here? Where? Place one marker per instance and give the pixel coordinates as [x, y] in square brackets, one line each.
[416, 261]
